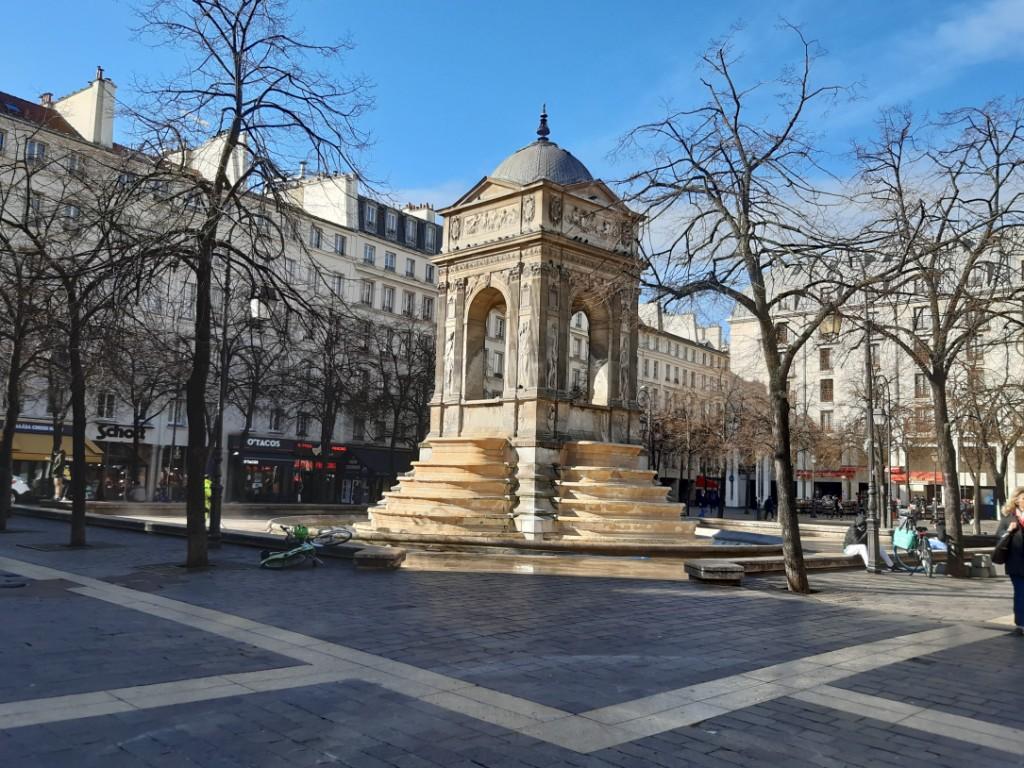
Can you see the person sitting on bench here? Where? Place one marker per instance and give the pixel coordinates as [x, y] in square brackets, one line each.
[855, 542]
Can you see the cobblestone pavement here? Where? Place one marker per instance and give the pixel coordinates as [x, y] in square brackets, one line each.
[115, 656]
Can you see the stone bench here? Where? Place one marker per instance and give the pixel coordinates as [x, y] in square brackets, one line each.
[714, 571]
[379, 558]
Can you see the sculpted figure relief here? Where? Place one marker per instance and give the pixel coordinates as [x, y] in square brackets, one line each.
[552, 356]
[456, 228]
[555, 210]
[529, 206]
[449, 362]
[527, 355]
[624, 362]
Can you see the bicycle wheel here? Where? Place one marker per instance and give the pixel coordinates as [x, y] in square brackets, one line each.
[925, 553]
[901, 563]
[331, 537]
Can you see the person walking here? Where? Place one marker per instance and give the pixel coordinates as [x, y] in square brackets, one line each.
[1010, 535]
[769, 508]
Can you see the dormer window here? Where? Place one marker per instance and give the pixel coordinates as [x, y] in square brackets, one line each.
[410, 231]
[391, 224]
[370, 216]
[429, 239]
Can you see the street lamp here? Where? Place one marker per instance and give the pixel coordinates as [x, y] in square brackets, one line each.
[260, 306]
[874, 554]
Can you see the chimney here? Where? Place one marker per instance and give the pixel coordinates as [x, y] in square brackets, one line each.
[90, 111]
[302, 169]
[46, 99]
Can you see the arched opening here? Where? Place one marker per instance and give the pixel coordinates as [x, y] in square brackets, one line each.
[485, 346]
[588, 346]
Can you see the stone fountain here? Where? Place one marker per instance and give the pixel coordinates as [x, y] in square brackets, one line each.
[529, 438]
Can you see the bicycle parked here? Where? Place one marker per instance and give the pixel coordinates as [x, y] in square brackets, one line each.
[305, 546]
[909, 538]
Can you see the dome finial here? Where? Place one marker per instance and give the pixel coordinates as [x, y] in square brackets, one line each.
[542, 129]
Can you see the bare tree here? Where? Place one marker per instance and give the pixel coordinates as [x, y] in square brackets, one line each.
[251, 104]
[733, 186]
[949, 199]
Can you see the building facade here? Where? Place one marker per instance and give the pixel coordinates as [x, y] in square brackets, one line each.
[371, 260]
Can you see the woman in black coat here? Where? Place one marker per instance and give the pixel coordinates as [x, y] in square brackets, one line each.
[1012, 527]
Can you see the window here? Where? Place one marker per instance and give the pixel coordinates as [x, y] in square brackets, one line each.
[391, 224]
[693, 379]
[389, 261]
[105, 405]
[370, 216]
[782, 332]
[408, 303]
[410, 230]
[126, 179]
[35, 152]
[577, 347]
[826, 421]
[919, 318]
[75, 164]
[338, 285]
[369, 254]
[429, 238]
[3, 140]
[410, 268]
[387, 299]
[316, 237]
[339, 244]
[366, 294]
[826, 391]
[499, 365]
[358, 427]
[921, 388]
[428, 308]
[825, 359]
[675, 376]
[428, 273]
[647, 367]
[655, 369]
[72, 213]
[302, 424]
[176, 413]
[499, 327]
[275, 420]
[289, 270]
[577, 378]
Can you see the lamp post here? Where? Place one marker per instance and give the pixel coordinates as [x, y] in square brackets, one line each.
[259, 312]
[874, 556]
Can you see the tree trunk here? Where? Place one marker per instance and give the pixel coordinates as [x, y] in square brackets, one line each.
[195, 408]
[78, 465]
[133, 460]
[792, 550]
[950, 480]
[10, 425]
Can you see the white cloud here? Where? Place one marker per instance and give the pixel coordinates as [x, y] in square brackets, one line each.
[993, 30]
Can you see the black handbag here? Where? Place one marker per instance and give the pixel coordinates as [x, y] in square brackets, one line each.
[1002, 550]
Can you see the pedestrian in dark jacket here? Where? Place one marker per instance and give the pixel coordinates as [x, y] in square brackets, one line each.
[1012, 526]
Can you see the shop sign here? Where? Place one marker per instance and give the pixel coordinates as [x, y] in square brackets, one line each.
[37, 428]
[262, 442]
[119, 432]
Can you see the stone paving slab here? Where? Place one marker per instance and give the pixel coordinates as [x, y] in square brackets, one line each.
[63, 643]
[392, 713]
[979, 680]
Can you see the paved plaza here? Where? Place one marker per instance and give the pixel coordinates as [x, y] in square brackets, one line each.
[115, 656]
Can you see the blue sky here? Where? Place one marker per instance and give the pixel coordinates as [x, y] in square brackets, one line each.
[459, 84]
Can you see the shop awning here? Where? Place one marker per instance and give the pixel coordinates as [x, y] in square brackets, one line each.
[121, 453]
[38, 448]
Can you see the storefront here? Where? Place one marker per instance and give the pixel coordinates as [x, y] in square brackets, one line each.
[121, 461]
[280, 470]
[33, 451]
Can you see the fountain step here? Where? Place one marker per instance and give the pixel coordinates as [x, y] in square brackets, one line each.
[639, 530]
[595, 491]
[460, 471]
[600, 454]
[577, 474]
[656, 510]
[417, 504]
[451, 489]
